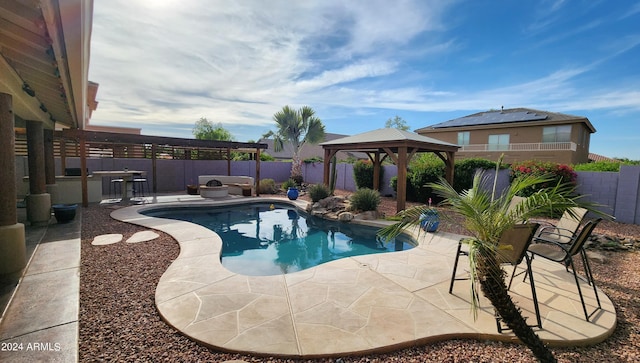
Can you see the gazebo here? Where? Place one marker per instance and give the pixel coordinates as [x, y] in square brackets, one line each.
[396, 144]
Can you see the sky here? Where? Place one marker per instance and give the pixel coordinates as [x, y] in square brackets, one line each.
[164, 64]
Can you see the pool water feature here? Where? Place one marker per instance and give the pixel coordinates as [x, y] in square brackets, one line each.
[263, 239]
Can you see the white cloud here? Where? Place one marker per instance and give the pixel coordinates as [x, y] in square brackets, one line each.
[226, 60]
[239, 62]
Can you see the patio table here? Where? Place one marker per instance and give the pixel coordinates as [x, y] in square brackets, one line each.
[126, 176]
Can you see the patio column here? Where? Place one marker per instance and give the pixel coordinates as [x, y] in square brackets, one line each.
[63, 156]
[38, 200]
[50, 166]
[12, 237]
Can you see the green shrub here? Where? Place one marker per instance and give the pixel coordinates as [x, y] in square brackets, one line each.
[289, 184]
[365, 199]
[423, 169]
[428, 168]
[313, 159]
[562, 173]
[318, 192]
[599, 166]
[297, 179]
[238, 156]
[363, 174]
[465, 170]
[267, 186]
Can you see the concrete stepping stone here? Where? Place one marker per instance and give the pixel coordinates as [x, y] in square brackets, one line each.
[106, 239]
[143, 236]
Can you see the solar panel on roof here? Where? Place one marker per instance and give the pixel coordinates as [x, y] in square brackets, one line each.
[488, 118]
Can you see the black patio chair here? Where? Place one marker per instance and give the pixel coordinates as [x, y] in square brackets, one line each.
[512, 249]
[565, 230]
[564, 252]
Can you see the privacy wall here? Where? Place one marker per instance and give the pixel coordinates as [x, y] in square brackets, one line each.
[617, 193]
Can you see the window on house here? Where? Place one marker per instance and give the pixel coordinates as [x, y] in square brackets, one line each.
[498, 142]
[556, 133]
[463, 138]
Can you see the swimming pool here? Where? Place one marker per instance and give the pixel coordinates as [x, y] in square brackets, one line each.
[264, 239]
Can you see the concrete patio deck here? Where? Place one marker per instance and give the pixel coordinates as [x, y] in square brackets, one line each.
[354, 305]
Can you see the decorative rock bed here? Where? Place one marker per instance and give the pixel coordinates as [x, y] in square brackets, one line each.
[338, 208]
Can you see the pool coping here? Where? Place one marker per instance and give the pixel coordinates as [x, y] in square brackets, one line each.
[355, 305]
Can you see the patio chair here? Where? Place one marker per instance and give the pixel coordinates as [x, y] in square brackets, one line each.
[564, 252]
[512, 249]
[566, 228]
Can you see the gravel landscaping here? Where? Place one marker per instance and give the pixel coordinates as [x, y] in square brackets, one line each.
[119, 321]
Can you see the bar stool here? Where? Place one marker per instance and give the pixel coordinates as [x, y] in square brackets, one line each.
[138, 182]
[113, 184]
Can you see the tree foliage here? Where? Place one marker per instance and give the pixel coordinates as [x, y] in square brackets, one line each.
[296, 127]
[397, 122]
[206, 130]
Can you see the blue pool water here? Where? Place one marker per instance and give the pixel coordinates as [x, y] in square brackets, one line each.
[264, 239]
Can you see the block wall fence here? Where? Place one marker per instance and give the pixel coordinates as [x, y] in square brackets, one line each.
[618, 193]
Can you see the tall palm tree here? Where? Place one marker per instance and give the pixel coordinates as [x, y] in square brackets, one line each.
[296, 127]
[486, 217]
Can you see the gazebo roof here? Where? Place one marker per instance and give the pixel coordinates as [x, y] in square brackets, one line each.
[399, 145]
[389, 137]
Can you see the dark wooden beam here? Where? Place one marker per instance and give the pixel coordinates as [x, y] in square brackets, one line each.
[121, 138]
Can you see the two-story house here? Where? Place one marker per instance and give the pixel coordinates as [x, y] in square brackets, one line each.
[518, 133]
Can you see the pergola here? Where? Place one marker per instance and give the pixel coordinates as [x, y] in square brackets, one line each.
[110, 140]
[396, 144]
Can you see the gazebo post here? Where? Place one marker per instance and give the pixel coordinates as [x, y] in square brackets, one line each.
[450, 167]
[326, 163]
[402, 179]
[376, 171]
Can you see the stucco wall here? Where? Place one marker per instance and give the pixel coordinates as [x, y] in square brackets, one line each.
[618, 193]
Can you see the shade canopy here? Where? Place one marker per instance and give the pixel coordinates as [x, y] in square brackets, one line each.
[396, 144]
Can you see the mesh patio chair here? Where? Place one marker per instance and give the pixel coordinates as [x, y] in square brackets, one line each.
[564, 252]
[512, 249]
[566, 229]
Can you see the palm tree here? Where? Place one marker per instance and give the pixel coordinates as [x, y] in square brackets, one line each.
[296, 127]
[486, 217]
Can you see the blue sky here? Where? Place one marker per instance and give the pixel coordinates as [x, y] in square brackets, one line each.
[164, 64]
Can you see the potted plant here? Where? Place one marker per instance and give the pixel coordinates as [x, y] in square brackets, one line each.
[429, 219]
[292, 189]
[64, 213]
[192, 189]
[292, 193]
